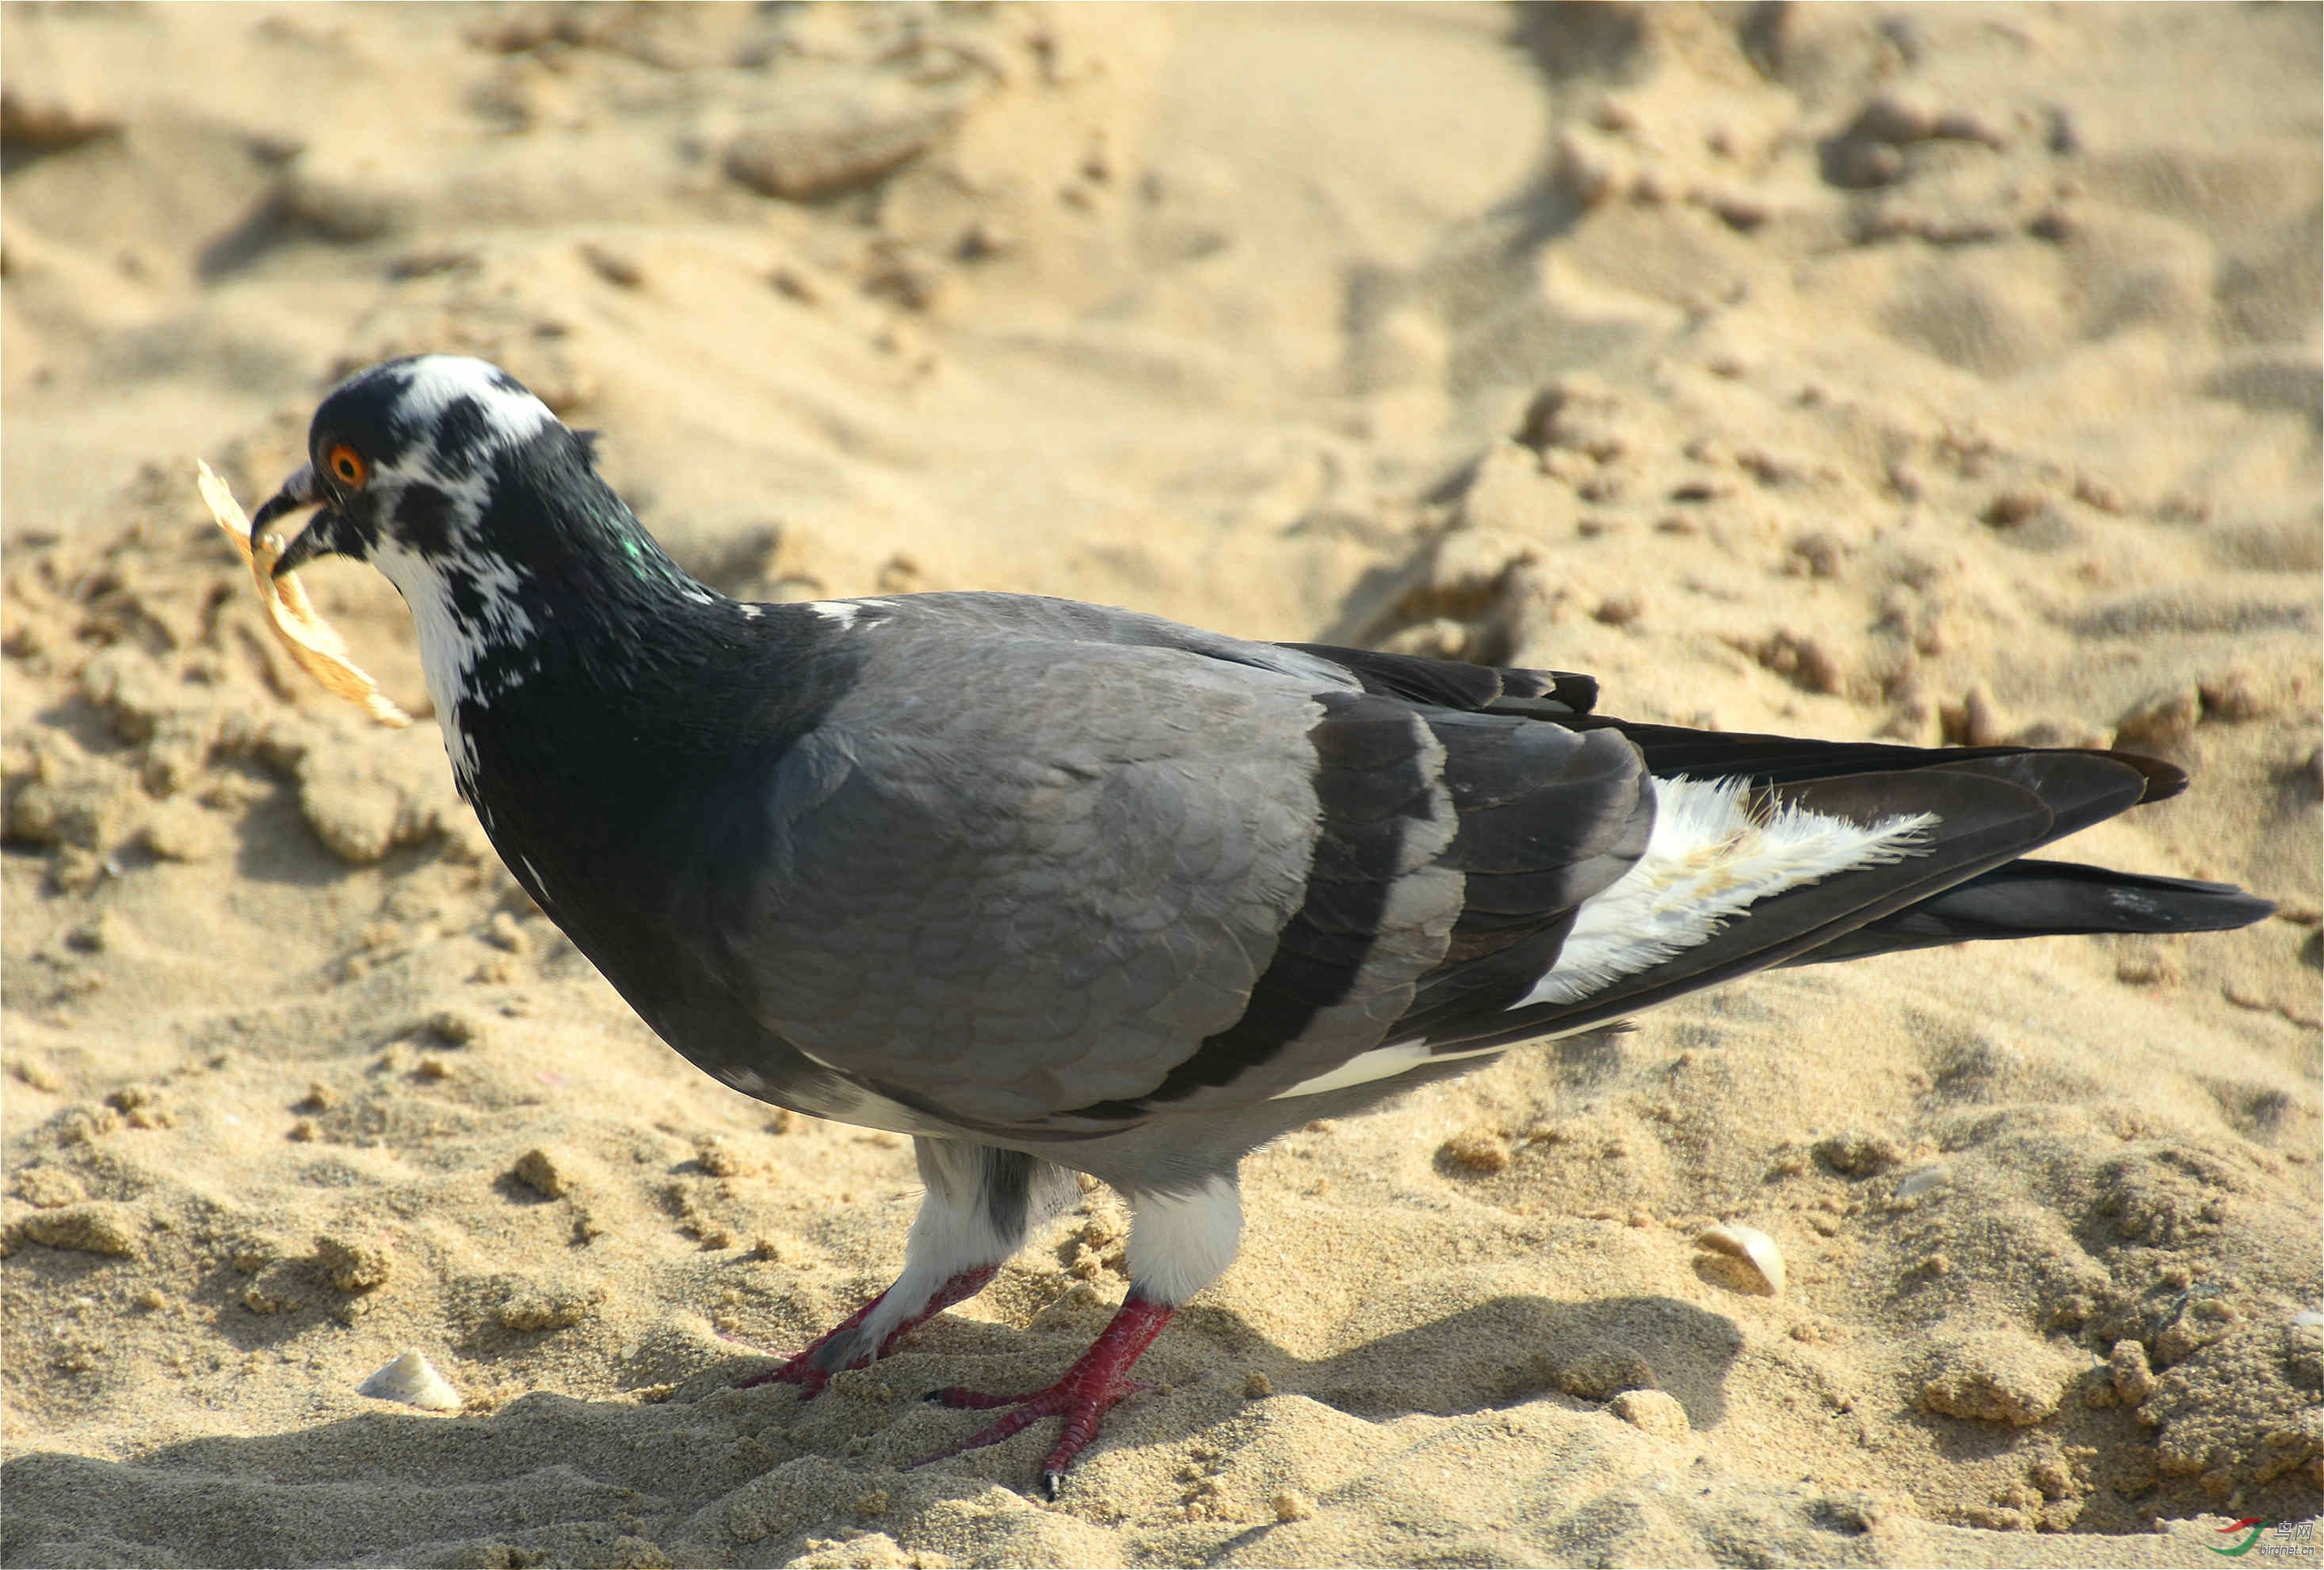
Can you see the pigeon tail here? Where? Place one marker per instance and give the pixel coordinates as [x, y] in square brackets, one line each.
[2042, 899]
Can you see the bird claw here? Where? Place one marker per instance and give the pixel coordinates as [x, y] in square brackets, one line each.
[1090, 1388]
[960, 1398]
[813, 1368]
[1073, 1398]
[790, 1368]
[796, 1371]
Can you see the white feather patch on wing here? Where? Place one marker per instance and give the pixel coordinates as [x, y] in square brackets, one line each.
[1382, 1063]
[1711, 857]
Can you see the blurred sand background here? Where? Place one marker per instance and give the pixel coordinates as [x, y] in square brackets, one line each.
[1914, 371]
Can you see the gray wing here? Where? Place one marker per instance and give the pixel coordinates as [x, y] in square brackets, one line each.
[1045, 866]
[1445, 684]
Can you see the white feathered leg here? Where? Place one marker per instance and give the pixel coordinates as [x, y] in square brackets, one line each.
[1180, 1244]
[980, 1206]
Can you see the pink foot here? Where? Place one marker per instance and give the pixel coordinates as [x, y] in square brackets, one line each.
[835, 1351]
[1097, 1380]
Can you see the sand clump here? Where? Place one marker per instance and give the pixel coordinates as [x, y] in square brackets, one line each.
[1900, 375]
[2003, 1377]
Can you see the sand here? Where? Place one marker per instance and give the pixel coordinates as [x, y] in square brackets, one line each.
[1934, 372]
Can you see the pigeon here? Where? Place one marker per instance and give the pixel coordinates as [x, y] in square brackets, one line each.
[1057, 889]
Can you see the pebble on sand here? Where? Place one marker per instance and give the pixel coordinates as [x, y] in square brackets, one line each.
[1752, 1246]
[412, 1380]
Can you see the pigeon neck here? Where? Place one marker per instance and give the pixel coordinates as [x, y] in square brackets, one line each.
[559, 605]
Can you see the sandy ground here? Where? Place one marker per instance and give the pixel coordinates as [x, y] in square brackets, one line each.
[1925, 371]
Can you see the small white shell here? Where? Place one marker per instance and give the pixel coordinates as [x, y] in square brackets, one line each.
[1751, 1245]
[412, 1380]
[1920, 1179]
[2306, 1320]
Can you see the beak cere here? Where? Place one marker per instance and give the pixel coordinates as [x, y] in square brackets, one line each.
[315, 540]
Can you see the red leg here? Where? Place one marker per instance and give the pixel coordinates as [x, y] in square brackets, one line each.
[812, 1371]
[1090, 1387]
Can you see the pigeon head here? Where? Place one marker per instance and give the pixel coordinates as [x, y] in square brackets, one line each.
[403, 460]
[487, 514]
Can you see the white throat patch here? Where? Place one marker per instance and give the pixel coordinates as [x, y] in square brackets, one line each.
[467, 604]
[453, 644]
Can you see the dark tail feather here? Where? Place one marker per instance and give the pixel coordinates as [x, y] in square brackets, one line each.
[1671, 749]
[2033, 899]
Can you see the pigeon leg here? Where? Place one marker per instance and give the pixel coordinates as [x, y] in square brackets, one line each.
[807, 1372]
[1180, 1241]
[1097, 1380]
[979, 1206]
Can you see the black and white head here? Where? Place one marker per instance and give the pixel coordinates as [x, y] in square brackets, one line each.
[403, 460]
[481, 506]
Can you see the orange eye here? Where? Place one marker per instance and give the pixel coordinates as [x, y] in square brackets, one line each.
[346, 466]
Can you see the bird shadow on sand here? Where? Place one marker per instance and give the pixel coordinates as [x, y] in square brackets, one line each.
[549, 1478]
[1498, 1352]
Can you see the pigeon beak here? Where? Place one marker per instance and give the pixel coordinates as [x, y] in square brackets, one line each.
[316, 539]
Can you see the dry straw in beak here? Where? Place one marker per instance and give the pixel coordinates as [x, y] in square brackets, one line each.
[314, 643]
